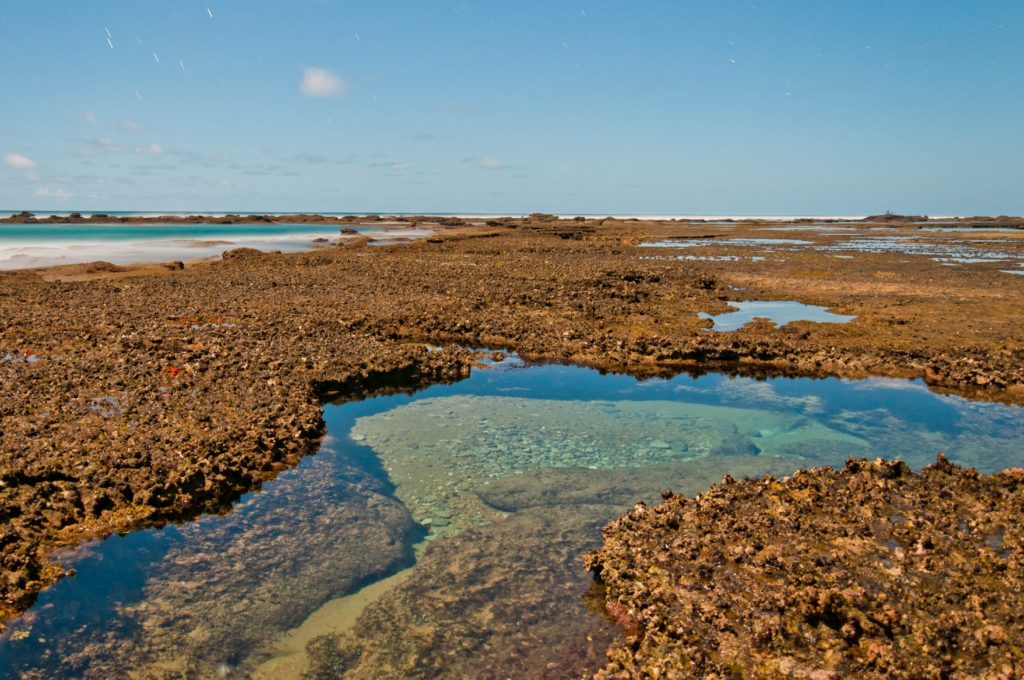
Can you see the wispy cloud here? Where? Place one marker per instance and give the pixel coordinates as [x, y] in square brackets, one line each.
[89, 117]
[319, 82]
[399, 167]
[52, 192]
[151, 149]
[19, 162]
[310, 158]
[490, 163]
[107, 144]
[130, 126]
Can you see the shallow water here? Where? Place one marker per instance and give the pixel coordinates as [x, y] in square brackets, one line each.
[951, 252]
[738, 242]
[780, 312]
[812, 227]
[510, 475]
[954, 251]
[42, 245]
[961, 230]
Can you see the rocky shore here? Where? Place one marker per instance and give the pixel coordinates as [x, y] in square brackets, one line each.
[129, 399]
[871, 571]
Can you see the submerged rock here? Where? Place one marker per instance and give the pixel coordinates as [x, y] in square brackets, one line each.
[871, 571]
[509, 600]
[439, 451]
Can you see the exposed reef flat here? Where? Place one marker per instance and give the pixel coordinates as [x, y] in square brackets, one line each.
[871, 571]
[133, 399]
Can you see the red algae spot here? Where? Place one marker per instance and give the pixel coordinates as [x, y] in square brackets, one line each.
[621, 616]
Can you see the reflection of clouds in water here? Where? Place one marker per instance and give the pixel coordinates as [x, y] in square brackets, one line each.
[979, 411]
[758, 392]
[877, 416]
[888, 384]
[648, 384]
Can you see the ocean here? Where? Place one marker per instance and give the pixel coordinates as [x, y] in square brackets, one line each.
[41, 245]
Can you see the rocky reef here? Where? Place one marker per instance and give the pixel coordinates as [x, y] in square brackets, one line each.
[871, 571]
[134, 397]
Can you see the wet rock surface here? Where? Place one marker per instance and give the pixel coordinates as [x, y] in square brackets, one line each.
[131, 400]
[871, 571]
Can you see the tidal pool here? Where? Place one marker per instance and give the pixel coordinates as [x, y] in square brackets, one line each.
[779, 312]
[951, 252]
[685, 242]
[477, 500]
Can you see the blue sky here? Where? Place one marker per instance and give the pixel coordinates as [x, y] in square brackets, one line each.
[659, 107]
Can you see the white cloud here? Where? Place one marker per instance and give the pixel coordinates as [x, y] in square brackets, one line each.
[107, 144]
[491, 164]
[319, 82]
[89, 117]
[19, 162]
[50, 192]
[130, 126]
[400, 167]
[152, 148]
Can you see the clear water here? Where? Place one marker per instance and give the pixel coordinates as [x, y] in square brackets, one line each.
[738, 242]
[824, 229]
[40, 245]
[705, 258]
[960, 230]
[952, 252]
[513, 450]
[779, 312]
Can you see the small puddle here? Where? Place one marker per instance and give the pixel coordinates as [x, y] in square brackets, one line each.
[953, 252]
[778, 312]
[812, 227]
[974, 230]
[735, 242]
[706, 258]
[443, 531]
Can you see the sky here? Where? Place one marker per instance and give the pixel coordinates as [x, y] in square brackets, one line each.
[792, 107]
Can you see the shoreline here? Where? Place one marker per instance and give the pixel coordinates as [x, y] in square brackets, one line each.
[43, 246]
[117, 217]
[227, 363]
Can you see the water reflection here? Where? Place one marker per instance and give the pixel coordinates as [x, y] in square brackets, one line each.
[510, 475]
[779, 312]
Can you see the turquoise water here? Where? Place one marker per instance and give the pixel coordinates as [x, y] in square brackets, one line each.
[77, 233]
[441, 479]
[41, 245]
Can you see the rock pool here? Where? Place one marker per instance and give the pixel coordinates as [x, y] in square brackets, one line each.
[490, 490]
[779, 312]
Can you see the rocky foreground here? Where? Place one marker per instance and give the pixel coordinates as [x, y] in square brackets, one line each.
[871, 571]
[133, 397]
